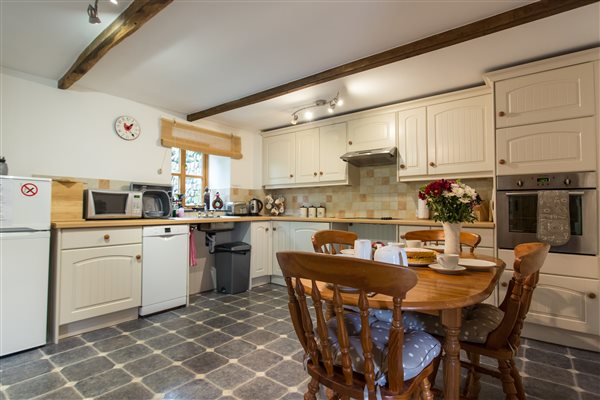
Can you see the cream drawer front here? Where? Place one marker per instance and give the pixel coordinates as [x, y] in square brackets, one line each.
[98, 281]
[571, 265]
[563, 302]
[547, 96]
[560, 146]
[487, 236]
[82, 238]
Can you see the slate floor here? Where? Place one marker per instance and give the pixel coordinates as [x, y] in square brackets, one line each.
[232, 347]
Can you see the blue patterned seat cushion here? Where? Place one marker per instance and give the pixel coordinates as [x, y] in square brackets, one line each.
[477, 322]
[419, 348]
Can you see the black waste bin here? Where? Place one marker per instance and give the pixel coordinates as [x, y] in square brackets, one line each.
[233, 267]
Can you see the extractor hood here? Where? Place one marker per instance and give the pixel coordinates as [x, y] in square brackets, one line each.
[364, 158]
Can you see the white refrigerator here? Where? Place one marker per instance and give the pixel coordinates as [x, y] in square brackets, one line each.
[24, 262]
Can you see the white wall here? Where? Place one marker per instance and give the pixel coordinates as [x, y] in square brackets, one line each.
[70, 133]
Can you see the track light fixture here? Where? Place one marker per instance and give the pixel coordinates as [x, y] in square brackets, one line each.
[93, 12]
[308, 112]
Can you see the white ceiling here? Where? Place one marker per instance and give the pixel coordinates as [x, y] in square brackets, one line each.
[197, 54]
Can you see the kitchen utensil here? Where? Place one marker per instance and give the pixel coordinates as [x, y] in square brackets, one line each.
[255, 206]
[393, 253]
[362, 248]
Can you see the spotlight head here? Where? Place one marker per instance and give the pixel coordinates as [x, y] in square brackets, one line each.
[330, 109]
[340, 102]
[115, 2]
[93, 13]
[294, 119]
[309, 115]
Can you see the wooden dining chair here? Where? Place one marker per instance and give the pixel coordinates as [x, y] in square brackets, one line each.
[468, 239]
[355, 352]
[332, 241]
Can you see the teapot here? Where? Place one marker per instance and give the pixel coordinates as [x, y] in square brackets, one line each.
[255, 206]
[393, 253]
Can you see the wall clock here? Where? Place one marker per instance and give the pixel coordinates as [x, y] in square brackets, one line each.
[127, 128]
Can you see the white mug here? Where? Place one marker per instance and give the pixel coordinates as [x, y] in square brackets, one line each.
[414, 243]
[448, 261]
[362, 248]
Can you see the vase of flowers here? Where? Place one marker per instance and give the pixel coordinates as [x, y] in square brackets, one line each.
[451, 203]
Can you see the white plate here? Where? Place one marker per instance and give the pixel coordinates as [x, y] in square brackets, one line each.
[438, 268]
[421, 264]
[473, 263]
[347, 251]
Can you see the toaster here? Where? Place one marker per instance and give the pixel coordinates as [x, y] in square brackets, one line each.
[236, 208]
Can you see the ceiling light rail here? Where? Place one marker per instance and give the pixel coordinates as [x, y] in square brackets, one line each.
[308, 112]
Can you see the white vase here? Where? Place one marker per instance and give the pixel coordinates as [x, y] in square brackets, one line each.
[451, 237]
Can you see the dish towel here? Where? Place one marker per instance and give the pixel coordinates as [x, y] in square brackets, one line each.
[553, 217]
[193, 261]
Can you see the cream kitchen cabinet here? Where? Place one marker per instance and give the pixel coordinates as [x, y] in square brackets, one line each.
[412, 142]
[559, 146]
[557, 94]
[260, 254]
[372, 132]
[460, 137]
[318, 154]
[96, 272]
[281, 242]
[279, 163]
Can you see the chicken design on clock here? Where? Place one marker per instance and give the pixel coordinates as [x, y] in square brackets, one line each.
[127, 128]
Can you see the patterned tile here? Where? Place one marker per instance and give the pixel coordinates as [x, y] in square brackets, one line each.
[234, 347]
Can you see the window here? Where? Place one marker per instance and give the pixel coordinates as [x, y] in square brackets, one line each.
[189, 170]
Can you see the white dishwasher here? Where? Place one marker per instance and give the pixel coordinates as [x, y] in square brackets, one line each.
[165, 250]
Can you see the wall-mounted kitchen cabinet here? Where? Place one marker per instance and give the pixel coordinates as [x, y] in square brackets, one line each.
[315, 160]
[447, 136]
[374, 132]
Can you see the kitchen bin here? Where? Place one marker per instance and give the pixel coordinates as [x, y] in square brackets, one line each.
[233, 267]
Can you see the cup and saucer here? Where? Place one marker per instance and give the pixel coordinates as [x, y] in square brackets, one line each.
[447, 264]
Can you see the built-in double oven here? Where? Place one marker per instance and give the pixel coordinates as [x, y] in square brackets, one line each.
[517, 209]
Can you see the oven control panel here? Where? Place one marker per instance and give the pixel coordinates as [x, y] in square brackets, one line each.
[564, 180]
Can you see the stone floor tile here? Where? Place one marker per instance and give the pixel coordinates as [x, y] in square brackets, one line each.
[201, 316]
[293, 396]
[187, 310]
[223, 309]
[243, 302]
[219, 322]
[589, 383]
[194, 331]
[260, 308]
[183, 351]
[164, 341]
[147, 365]
[102, 383]
[10, 376]
[100, 334]
[149, 333]
[129, 353]
[230, 376]
[178, 323]
[167, 379]
[238, 329]
[585, 354]
[205, 362]
[64, 393]
[235, 349]
[277, 302]
[589, 396]
[260, 388]
[260, 360]
[555, 348]
[543, 388]
[586, 366]
[289, 373]
[131, 391]
[134, 325]
[63, 345]
[261, 320]
[284, 346]
[86, 368]
[114, 343]
[549, 358]
[214, 339]
[280, 327]
[161, 317]
[278, 313]
[36, 386]
[260, 337]
[549, 372]
[227, 298]
[20, 358]
[241, 315]
[197, 389]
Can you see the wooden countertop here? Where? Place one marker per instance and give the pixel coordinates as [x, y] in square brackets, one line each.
[115, 223]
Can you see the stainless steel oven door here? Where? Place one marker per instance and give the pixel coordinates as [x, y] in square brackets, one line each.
[517, 220]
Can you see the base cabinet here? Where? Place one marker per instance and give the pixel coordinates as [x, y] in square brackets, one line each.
[260, 254]
[293, 236]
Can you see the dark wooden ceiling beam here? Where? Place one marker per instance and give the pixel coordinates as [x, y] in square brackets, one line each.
[496, 23]
[129, 21]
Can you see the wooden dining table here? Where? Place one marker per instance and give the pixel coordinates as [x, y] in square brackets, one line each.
[442, 294]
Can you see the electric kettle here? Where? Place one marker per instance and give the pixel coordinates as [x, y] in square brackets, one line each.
[255, 206]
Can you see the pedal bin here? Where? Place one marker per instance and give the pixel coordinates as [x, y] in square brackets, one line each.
[233, 267]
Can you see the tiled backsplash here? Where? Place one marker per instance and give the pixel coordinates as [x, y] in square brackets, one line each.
[377, 195]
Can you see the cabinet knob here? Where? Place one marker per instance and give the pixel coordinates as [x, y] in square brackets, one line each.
[432, 164]
[402, 166]
[138, 257]
[501, 114]
[350, 142]
[592, 295]
[321, 173]
[504, 284]
[267, 229]
[107, 237]
[291, 175]
[274, 229]
[501, 161]
[314, 173]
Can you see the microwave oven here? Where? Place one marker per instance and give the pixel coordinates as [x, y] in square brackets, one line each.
[112, 204]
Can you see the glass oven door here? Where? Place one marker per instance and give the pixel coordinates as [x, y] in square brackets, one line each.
[517, 220]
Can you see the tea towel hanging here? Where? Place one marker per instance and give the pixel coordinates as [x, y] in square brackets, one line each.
[553, 217]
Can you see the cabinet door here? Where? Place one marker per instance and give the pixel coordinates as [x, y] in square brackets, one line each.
[460, 137]
[562, 302]
[260, 255]
[332, 143]
[560, 146]
[372, 132]
[100, 280]
[412, 142]
[279, 159]
[301, 234]
[281, 242]
[547, 96]
[307, 156]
